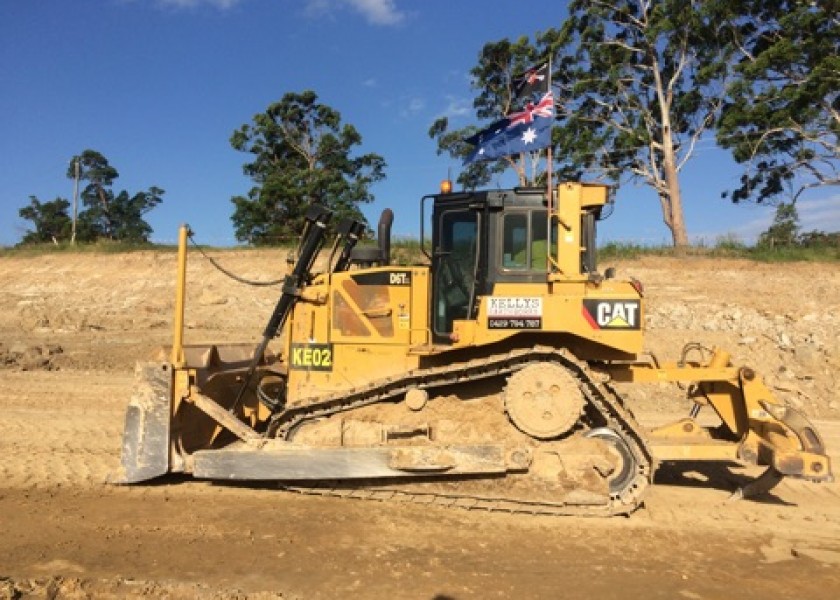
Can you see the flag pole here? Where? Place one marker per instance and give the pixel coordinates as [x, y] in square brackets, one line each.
[549, 172]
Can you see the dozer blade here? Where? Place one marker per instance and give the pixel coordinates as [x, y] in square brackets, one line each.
[145, 448]
[285, 462]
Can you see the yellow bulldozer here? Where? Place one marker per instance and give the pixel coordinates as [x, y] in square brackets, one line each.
[482, 378]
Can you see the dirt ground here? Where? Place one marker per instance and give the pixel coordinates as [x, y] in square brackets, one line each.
[72, 326]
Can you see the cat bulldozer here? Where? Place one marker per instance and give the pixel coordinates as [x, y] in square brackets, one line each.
[483, 378]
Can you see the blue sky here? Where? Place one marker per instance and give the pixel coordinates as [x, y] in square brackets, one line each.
[158, 86]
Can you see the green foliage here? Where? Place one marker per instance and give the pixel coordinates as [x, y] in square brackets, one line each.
[784, 239]
[782, 117]
[50, 219]
[121, 217]
[794, 254]
[820, 240]
[301, 153]
[784, 230]
[110, 215]
[102, 246]
[730, 243]
[814, 247]
[622, 250]
[93, 168]
[407, 251]
[726, 248]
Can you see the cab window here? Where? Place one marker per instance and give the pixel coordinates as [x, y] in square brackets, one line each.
[455, 268]
[524, 241]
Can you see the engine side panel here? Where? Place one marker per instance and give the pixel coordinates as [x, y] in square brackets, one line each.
[360, 329]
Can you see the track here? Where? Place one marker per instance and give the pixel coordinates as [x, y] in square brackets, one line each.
[601, 399]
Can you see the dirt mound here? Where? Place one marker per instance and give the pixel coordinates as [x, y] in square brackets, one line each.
[782, 320]
[74, 588]
[30, 358]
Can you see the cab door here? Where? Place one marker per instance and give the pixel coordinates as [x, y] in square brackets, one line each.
[455, 266]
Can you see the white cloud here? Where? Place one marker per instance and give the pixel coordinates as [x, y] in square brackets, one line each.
[411, 106]
[220, 4]
[376, 12]
[820, 214]
[746, 232]
[457, 107]
[379, 12]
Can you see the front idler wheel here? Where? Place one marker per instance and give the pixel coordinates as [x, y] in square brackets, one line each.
[625, 474]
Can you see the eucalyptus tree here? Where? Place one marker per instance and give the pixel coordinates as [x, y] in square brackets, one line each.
[782, 118]
[640, 83]
[301, 152]
[49, 220]
[92, 167]
[109, 214]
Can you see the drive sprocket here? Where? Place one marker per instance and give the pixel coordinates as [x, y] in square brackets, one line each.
[543, 400]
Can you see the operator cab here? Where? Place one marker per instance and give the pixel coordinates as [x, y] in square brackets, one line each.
[483, 238]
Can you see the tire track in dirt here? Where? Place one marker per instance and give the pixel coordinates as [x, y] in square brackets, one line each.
[60, 428]
[697, 496]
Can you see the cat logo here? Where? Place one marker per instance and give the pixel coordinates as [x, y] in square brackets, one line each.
[312, 357]
[612, 314]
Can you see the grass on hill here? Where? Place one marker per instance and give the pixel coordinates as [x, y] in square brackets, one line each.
[100, 247]
[406, 251]
[725, 248]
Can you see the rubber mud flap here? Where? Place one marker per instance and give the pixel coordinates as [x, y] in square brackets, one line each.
[145, 446]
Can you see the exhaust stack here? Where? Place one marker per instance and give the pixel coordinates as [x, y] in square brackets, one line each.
[383, 233]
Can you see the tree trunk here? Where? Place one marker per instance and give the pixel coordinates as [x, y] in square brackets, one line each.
[107, 210]
[672, 196]
[675, 219]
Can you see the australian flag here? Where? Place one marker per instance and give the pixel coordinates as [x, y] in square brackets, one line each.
[523, 131]
[532, 82]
